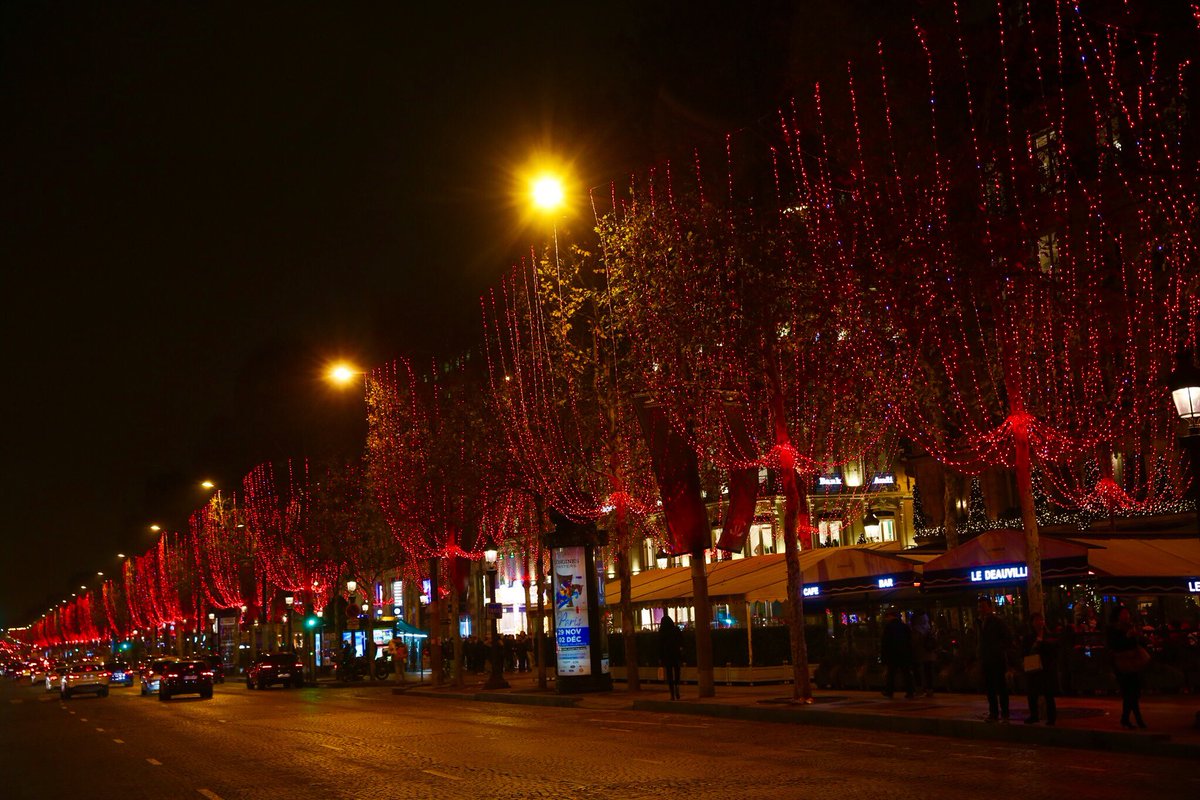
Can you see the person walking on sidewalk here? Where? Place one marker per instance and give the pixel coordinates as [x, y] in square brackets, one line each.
[670, 653]
[1129, 659]
[1039, 647]
[925, 650]
[399, 659]
[995, 641]
[896, 653]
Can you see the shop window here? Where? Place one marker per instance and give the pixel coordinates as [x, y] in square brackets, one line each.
[829, 533]
[887, 529]
[763, 540]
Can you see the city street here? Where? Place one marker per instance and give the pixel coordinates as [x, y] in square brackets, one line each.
[368, 743]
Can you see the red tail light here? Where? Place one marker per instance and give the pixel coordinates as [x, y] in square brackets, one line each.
[72, 677]
[207, 674]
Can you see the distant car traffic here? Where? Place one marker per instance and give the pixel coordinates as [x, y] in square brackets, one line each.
[120, 673]
[268, 669]
[54, 675]
[152, 673]
[84, 678]
[186, 677]
[217, 665]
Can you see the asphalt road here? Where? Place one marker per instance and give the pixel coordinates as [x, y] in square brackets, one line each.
[368, 743]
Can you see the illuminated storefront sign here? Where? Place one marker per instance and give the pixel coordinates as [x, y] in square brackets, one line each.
[811, 591]
[884, 479]
[1194, 586]
[572, 634]
[887, 583]
[829, 480]
[989, 574]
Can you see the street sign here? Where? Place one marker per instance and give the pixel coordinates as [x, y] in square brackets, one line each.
[352, 624]
[494, 610]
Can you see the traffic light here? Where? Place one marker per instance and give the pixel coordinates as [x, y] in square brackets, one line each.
[123, 646]
[311, 621]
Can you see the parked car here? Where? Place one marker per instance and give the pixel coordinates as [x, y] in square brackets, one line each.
[217, 665]
[152, 674]
[120, 673]
[54, 674]
[81, 678]
[186, 677]
[269, 668]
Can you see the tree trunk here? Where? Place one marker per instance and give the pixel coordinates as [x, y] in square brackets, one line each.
[633, 679]
[456, 669]
[1033, 545]
[704, 658]
[435, 624]
[793, 515]
[951, 487]
[539, 636]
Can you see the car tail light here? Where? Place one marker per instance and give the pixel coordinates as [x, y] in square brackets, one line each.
[105, 674]
[207, 674]
[72, 677]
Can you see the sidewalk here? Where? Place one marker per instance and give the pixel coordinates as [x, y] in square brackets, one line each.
[1083, 722]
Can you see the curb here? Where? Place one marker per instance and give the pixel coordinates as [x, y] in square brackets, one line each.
[508, 698]
[1157, 744]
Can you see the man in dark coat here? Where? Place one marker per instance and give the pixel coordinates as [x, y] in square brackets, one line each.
[896, 653]
[995, 642]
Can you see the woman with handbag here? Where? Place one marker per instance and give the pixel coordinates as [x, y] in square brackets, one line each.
[1039, 648]
[1129, 659]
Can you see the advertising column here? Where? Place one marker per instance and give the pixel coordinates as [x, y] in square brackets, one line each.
[580, 638]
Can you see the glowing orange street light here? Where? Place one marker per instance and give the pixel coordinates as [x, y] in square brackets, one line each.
[208, 484]
[547, 192]
[155, 528]
[342, 373]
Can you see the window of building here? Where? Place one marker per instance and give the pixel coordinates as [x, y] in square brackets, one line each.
[829, 533]
[1043, 146]
[887, 529]
[1047, 253]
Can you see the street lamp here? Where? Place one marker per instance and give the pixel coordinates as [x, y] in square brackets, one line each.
[207, 485]
[496, 679]
[1184, 385]
[351, 585]
[871, 525]
[342, 373]
[289, 600]
[547, 192]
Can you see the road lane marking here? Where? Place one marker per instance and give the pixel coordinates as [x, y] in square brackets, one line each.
[99, 730]
[209, 795]
[154, 761]
[331, 747]
[119, 741]
[1085, 769]
[628, 722]
[621, 730]
[441, 774]
[647, 760]
[72, 713]
[220, 720]
[682, 725]
[83, 719]
[14, 702]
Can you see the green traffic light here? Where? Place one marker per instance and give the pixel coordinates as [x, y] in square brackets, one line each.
[311, 622]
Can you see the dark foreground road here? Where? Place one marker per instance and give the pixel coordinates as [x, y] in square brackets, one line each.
[368, 743]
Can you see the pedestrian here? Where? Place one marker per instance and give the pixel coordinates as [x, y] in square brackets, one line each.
[995, 641]
[896, 653]
[1039, 648]
[670, 653]
[522, 648]
[1129, 658]
[925, 650]
[399, 659]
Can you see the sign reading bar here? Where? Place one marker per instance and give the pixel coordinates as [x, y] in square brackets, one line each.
[887, 583]
[571, 630]
[989, 574]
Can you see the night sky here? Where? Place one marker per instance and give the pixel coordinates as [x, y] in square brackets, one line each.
[202, 204]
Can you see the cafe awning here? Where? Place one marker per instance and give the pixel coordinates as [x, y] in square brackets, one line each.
[1139, 563]
[998, 558]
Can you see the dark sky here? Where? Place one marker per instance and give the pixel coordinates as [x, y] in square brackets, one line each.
[201, 203]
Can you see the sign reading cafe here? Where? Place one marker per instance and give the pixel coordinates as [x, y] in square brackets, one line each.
[1009, 573]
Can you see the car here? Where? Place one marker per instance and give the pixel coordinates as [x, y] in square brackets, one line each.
[23, 671]
[186, 677]
[152, 674]
[120, 673]
[217, 665]
[84, 678]
[269, 668]
[54, 674]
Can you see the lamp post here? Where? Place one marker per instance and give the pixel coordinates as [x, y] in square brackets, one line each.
[289, 600]
[1184, 384]
[871, 526]
[496, 679]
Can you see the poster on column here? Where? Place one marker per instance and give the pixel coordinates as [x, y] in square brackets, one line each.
[571, 612]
